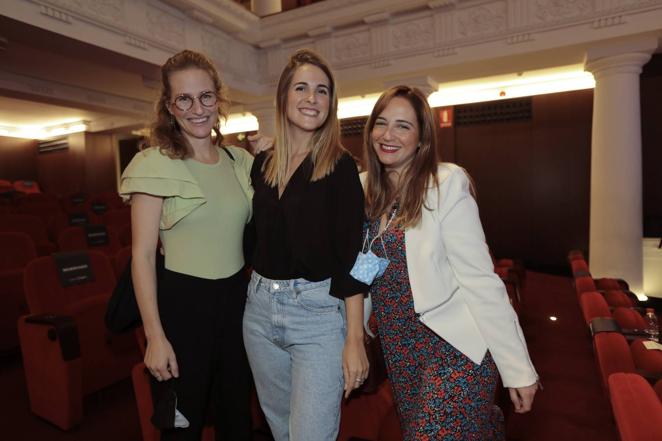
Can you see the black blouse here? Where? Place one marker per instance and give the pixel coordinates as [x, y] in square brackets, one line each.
[314, 230]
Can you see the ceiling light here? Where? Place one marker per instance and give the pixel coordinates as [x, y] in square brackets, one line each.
[553, 318]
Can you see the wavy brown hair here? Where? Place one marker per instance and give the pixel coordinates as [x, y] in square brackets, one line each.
[166, 133]
[419, 175]
[326, 148]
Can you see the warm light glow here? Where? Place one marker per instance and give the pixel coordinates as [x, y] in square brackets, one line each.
[356, 106]
[527, 84]
[641, 296]
[240, 122]
[43, 132]
[553, 318]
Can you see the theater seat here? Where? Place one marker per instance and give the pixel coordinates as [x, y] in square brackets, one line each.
[17, 250]
[618, 298]
[30, 225]
[76, 239]
[637, 409]
[647, 360]
[612, 354]
[593, 305]
[584, 284]
[370, 416]
[628, 318]
[67, 352]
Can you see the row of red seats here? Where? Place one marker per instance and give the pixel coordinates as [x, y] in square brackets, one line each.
[626, 367]
[67, 352]
[22, 186]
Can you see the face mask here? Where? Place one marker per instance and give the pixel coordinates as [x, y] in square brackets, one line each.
[368, 265]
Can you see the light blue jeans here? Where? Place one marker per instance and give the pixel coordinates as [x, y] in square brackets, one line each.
[294, 333]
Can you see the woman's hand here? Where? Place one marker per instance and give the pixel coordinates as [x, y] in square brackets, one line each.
[522, 397]
[160, 359]
[354, 364]
[260, 143]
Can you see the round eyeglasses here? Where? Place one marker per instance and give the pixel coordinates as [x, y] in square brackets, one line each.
[184, 101]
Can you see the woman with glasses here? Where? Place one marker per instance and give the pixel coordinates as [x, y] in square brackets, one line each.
[445, 322]
[304, 313]
[195, 196]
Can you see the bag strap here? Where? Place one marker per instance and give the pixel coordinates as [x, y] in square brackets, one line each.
[227, 151]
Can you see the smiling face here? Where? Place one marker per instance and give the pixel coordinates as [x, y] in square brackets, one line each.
[307, 99]
[395, 134]
[197, 122]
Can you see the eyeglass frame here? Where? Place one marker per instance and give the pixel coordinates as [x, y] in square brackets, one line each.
[193, 98]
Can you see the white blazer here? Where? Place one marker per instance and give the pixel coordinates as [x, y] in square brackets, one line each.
[456, 292]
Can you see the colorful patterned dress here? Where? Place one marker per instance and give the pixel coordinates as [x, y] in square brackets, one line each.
[441, 394]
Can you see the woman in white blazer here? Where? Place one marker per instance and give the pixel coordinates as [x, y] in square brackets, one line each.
[445, 322]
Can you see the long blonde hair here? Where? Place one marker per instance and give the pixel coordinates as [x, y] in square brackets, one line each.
[420, 173]
[165, 131]
[326, 148]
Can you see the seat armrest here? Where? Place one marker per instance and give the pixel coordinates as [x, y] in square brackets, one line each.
[63, 328]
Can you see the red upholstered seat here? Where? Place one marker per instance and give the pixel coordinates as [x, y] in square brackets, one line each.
[30, 225]
[618, 298]
[584, 284]
[75, 239]
[67, 352]
[628, 318]
[27, 186]
[648, 360]
[637, 409]
[612, 354]
[579, 265]
[593, 305]
[17, 250]
[370, 416]
[606, 284]
[117, 218]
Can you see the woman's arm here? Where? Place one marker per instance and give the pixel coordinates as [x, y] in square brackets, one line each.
[145, 217]
[483, 291]
[355, 361]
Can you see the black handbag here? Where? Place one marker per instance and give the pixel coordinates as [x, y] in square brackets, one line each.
[122, 313]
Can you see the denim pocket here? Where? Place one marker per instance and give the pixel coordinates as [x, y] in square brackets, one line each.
[317, 300]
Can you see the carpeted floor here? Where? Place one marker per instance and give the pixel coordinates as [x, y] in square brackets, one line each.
[572, 406]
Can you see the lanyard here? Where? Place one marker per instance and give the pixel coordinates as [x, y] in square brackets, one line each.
[379, 235]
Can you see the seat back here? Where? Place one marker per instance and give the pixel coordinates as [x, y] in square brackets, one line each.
[117, 218]
[584, 284]
[45, 293]
[637, 409]
[75, 239]
[593, 305]
[612, 354]
[17, 250]
[24, 223]
[628, 318]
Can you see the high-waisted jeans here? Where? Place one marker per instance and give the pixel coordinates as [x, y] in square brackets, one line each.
[294, 333]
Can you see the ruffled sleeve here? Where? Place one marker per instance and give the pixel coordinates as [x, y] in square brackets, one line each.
[153, 173]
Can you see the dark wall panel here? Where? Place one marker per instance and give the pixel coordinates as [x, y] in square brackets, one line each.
[18, 158]
[63, 171]
[533, 178]
[651, 137]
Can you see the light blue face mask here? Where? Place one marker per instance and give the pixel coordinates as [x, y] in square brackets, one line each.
[368, 265]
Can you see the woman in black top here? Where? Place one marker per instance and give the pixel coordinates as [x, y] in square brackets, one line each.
[303, 321]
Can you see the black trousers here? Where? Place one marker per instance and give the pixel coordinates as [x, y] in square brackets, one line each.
[202, 319]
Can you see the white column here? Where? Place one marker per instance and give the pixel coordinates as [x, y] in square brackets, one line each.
[265, 113]
[265, 7]
[616, 230]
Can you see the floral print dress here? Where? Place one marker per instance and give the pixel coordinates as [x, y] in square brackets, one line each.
[441, 395]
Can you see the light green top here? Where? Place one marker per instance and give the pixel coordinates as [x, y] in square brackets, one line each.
[205, 208]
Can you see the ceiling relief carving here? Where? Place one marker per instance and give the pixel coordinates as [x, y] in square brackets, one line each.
[165, 26]
[481, 20]
[352, 47]
[547, 10]
[411, 35]
[110, 10]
